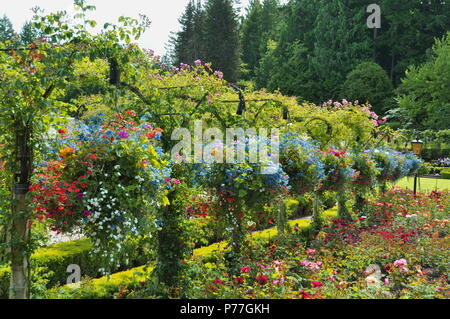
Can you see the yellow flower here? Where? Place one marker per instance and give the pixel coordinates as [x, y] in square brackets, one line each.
[66, 152]
[165, 201]
[214, 152]
[142, 164]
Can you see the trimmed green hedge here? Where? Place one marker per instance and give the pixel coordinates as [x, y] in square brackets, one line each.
[56, 258]
[445, 173]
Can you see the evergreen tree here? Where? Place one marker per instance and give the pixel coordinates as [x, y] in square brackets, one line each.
[6, 29]
[28, 34]
[188, 43]
[222, 37]
[336, 51]
[251, 36]
[257, 29]
[409, 29]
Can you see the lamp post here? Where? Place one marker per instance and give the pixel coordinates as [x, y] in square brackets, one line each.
[417, 146]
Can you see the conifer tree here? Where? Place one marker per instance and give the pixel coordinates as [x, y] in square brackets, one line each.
[222, 37]
[6, 29]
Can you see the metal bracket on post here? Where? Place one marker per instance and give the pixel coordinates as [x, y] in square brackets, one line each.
[241, 106]
[21, 189]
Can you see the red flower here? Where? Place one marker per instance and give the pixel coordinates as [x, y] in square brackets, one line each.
[218, 281]
[316, 284]
[239, 280]
[262, 279]
[305, 295]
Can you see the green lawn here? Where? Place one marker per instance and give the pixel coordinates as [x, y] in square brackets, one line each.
[424, 184]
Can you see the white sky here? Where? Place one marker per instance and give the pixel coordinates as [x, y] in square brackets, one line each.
[163, 14]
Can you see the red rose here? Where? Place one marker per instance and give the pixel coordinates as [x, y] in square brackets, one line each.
[262, 279]
[316, 284]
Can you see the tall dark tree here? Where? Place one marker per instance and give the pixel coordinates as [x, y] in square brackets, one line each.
[222, 37]
[336, 50]
[409, 29]
[252, 36]
[188, 44]
[257, 28]
[6, 29]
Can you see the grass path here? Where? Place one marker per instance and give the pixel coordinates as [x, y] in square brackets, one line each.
[107, 284]
[424, 184]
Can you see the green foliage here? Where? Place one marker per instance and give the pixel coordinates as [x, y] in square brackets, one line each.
[333, 56]
[222, 37]
[55, 259]
[188, 43]
[424, 93]
[6, 29]
[369, 83]
[445, 173]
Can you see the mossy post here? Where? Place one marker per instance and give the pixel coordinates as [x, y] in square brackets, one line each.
[173, 246]
[316, 223]
[20, 213]
[281, 222]
[343, 211]
[360, 203]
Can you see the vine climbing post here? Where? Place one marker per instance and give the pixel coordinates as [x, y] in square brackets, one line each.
[281, 220]
[342, 199]
[20, 213]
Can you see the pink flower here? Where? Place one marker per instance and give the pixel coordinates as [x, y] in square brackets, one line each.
[310, 251]
[386, 281]
[198, 62]
[176, 181]
[316, 284]
[245, 269]
[218, 281]
[86, 213]
[400, 263]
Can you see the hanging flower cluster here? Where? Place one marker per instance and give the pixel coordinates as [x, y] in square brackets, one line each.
[366, 173]
[243, 187]
[338, 171]
[393, 165]
[301, 160]
[105, 178]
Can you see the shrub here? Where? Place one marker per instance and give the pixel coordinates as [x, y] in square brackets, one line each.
[55, 259]
[445, 173]
[368, 82]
